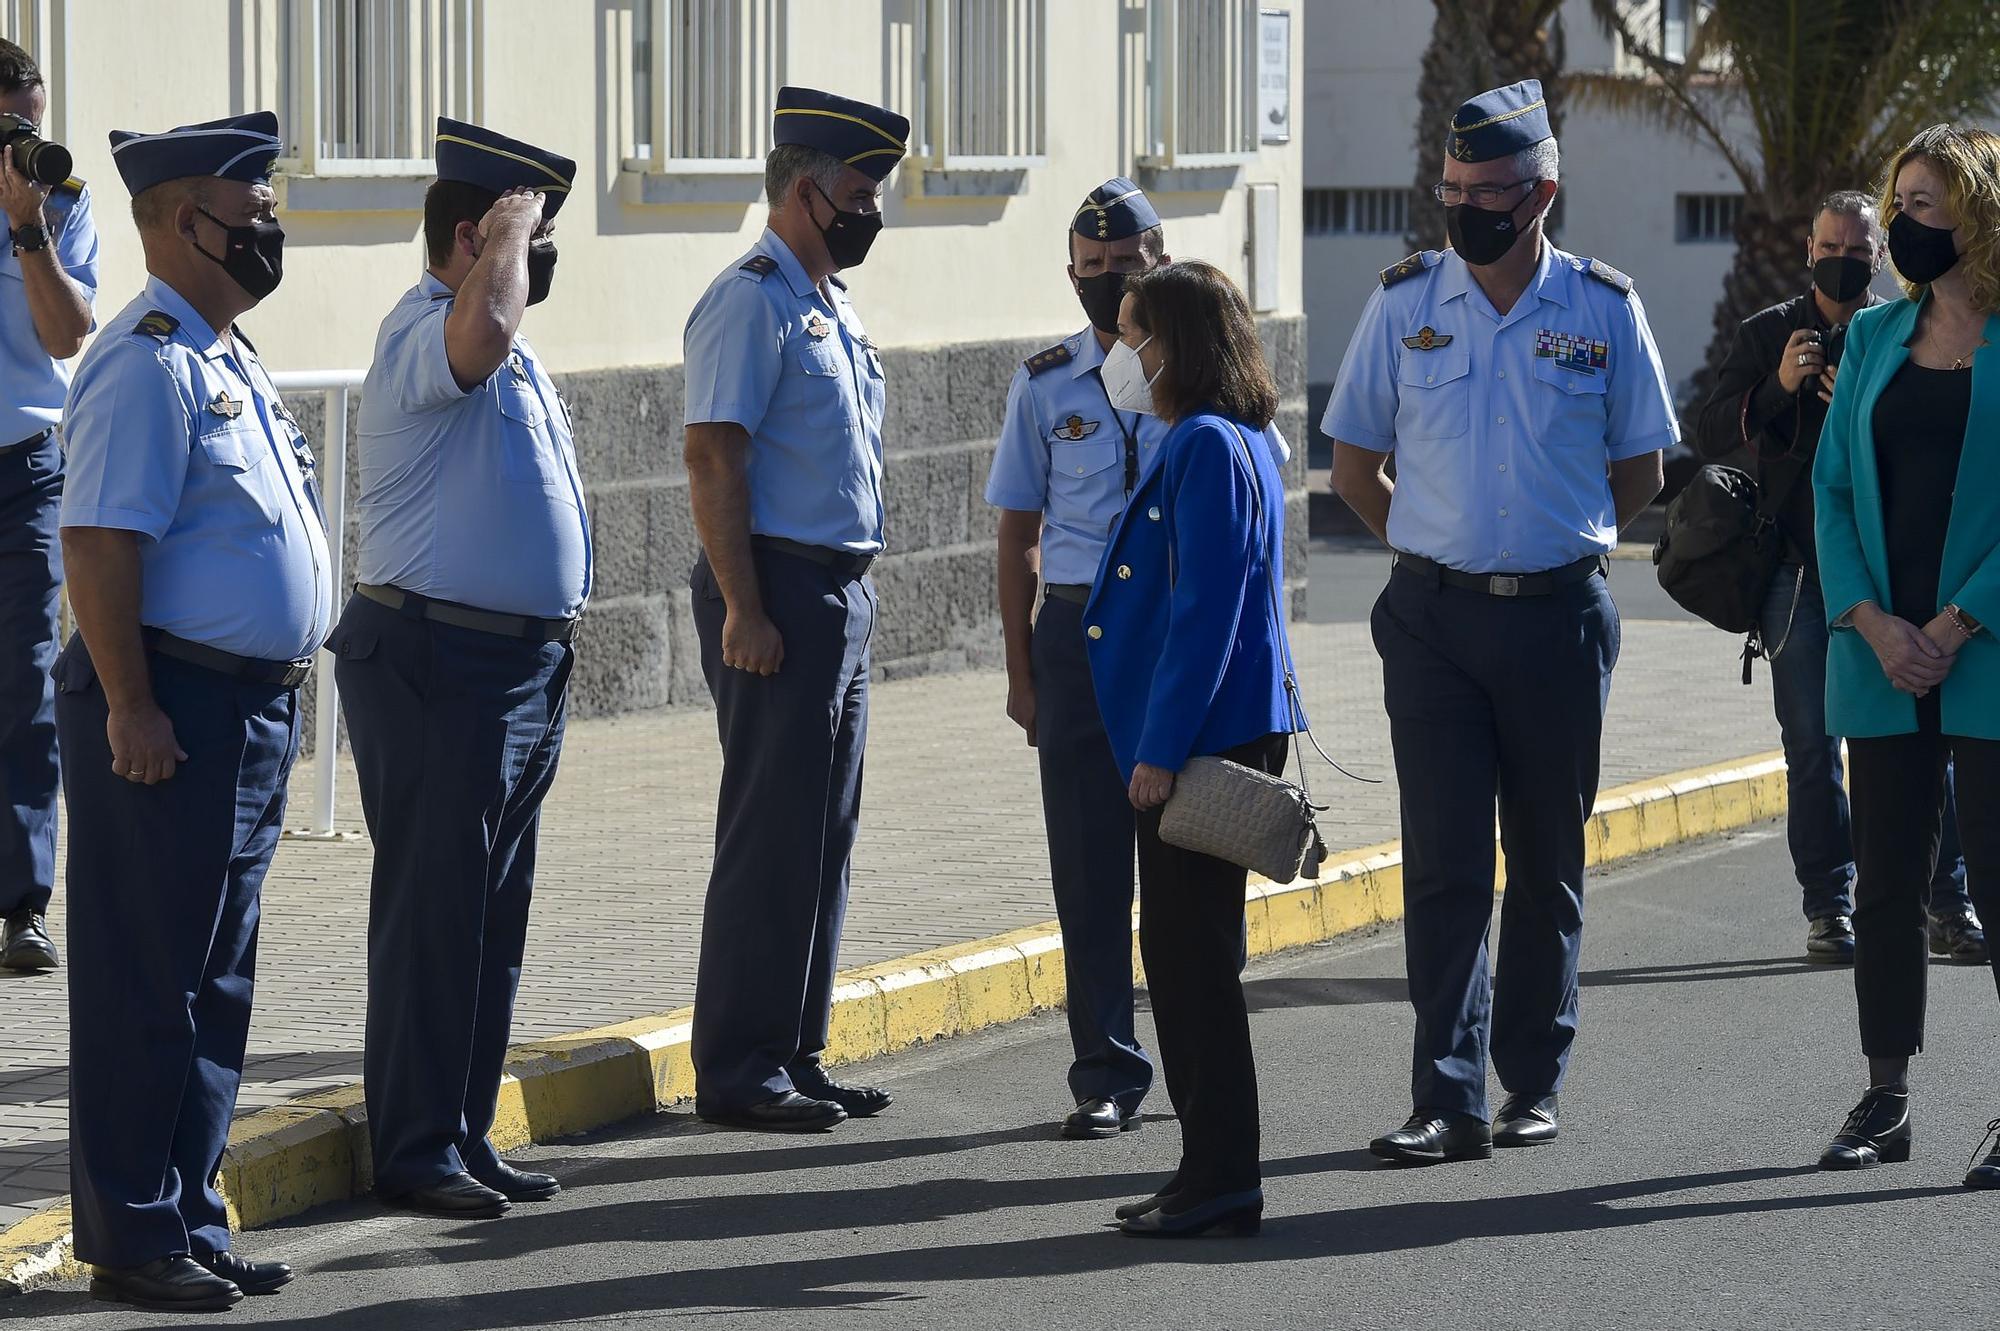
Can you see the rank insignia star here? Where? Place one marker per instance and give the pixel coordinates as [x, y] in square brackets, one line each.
[1427, 338]
[818, 325]
[1075, 428]
[225, 406]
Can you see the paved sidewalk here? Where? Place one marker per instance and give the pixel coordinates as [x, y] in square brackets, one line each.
[951, 850]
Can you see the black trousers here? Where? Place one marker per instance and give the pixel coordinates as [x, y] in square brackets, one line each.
[1897, 787]
[1191, 939]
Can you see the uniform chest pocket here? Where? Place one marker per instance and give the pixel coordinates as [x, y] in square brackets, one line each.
[824, 391]
[527, 454]
[237, 455]
[1570, 405]
[1434, 394]
[1077, 478]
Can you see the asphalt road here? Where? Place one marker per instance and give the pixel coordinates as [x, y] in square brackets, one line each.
[1712, 1067]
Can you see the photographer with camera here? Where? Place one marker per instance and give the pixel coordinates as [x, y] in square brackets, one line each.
[1771, 398]
[48, 276]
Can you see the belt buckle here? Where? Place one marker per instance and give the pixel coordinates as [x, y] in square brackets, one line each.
[1504, 584]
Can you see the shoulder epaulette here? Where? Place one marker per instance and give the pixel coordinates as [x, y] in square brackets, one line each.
[157, 323]
[1059, 354]
[1610, 276]
[762, 265]
[74, 185]
[1409, 267]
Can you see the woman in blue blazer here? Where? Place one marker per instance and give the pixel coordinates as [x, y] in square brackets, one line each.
[1907, 485]
[1185, 647]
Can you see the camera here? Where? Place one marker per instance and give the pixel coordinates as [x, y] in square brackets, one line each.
[1831, 344]
[34, 156]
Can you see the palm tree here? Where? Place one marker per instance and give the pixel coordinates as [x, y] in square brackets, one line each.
[1475, 45]
[1800, 98]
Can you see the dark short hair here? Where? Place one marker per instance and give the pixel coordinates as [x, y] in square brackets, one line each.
[1208, 339]
[446, 204]
[788, 163]
[1852, 203]
[153, 208]
[17, 68]
[1152, 242]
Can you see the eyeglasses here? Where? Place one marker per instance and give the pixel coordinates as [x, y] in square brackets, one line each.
[1479, 196]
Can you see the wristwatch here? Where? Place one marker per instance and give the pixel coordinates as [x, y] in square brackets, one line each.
[30, 238]
[1965, 623]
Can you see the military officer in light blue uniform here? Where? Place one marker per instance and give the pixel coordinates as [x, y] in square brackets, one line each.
[1520, 392]
[48, 278]
[784, 455]
[455, 658]
[1065, 465]
[198, 571]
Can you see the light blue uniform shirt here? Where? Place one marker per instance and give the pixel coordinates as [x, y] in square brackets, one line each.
[173, 434]
[1503, 426]
[33, 384]
[1062, 454]
[471, 497]
[793, 366]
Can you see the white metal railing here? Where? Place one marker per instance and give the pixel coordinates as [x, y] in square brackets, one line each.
[1202, 66]
[334, 386]
[704, 76]
[363, 81]
[984, 87]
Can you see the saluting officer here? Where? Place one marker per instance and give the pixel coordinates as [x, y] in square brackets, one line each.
[198, 570]
[784, 456]
[1064, 468]
[48, 278]
[1522, 395]
[455, 661]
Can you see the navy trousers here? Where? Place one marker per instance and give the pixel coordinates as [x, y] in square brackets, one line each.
[163, 886]
[456, 734]
[1091, 837]
[1493, 700]
[789, 808]
[30, 574]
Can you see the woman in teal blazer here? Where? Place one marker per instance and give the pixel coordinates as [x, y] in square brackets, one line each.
[1907, 487]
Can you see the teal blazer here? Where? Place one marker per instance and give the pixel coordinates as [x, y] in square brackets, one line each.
[1853, 549]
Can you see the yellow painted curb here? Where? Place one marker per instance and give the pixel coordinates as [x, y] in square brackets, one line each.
[313, 1150]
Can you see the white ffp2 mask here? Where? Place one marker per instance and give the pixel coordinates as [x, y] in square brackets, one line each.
[1125, 381]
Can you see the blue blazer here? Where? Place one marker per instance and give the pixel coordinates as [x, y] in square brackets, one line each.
[1854, 551]
[1183, 641]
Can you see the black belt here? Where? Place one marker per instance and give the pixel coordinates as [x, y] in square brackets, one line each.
[249, 669]
[844, 562]
[29, 442]
[1076, 593]
[1506, 584]
[526, 627]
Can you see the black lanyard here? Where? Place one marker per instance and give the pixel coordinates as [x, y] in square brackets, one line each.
[1131, 438]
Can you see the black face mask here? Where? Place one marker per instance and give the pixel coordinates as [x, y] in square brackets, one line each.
[1480, 235]
[848, 235]
[253, 255]
[541, 269]
[1922, 254]
[1841, 278]
[1101, 295]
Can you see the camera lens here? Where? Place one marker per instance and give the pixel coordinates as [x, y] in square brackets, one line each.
[34, 156]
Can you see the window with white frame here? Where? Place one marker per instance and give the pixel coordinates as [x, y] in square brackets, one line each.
[1706, 218]
[36, 27]
[1676, 20]
[705, 74]
[1202, 81]
[983, 91]
[1383, 211]
[362, 82]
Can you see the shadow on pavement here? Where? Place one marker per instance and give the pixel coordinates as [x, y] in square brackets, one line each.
[1295, 991]
[811, 1152]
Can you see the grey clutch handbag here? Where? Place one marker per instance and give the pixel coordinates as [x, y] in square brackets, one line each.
[1240, 814]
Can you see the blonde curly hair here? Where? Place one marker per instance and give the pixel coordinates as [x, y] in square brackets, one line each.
[1969, 161]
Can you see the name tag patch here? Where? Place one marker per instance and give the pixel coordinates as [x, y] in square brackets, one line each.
[1572, 351]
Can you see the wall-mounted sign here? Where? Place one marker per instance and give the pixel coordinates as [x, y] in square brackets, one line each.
[1274, 75]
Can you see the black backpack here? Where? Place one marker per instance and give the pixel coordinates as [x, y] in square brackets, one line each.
[1720, 551]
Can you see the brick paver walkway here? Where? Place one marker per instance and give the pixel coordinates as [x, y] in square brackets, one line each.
[951, 849]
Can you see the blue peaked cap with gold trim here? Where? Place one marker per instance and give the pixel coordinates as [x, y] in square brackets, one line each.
[871, 139]
[475, 155]
[1499, 123]
[1113, 211]
[233, 148]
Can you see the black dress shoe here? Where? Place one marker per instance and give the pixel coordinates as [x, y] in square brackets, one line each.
[25, 944]
[455, 1196]
[1152, 1203]
[1526, 1120]
[1830, 940]
[1434, 1136]
[1096, 1119]
[1876, 1133]
[1239, 1214]
[858, 1101]
[1985, 1173]
[1958, 937]
[790, 1112]
[250, 1277]
[170, 1285]
[518, 1185]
